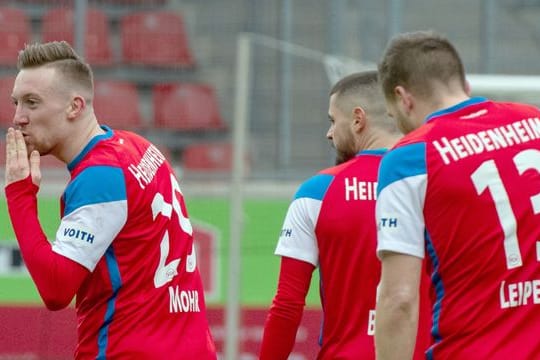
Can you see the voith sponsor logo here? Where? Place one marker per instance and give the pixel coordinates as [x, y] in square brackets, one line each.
[390, 222]
[79, 235]
[285, 232]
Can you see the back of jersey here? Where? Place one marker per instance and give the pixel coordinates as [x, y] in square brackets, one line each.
[482, 219]
[349, 269]
[145, 294]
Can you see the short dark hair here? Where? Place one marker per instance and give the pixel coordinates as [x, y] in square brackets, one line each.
[354, 81]
[363, 89]
[61, 56]
[418, 60]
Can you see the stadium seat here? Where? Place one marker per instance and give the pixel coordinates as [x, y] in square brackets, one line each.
[207, 157]
[57, 24]
[186, 107]
[155, 38]
[14, 34]
[7, 109]
[116, 104]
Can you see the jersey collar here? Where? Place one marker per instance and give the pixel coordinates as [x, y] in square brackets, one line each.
[459, 106]
[379, 151]
[108, 134]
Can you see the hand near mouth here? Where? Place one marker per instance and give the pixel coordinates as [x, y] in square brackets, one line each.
[18, 165]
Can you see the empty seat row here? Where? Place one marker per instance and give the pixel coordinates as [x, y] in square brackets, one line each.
[176, 106]
[149, 37]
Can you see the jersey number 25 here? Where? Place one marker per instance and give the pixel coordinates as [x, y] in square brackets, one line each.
[166, 272]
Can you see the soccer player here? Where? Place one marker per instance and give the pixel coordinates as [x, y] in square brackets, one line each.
[461, 189]
[331, 225]
[124, 247]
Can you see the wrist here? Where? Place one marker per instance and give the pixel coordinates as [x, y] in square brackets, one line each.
[21, 187]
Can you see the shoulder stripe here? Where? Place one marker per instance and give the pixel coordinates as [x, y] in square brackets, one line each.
[107, 135]
[95, 184]
[315, 187]
[402, 162]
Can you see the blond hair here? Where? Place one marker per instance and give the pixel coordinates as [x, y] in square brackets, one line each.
[60, 56]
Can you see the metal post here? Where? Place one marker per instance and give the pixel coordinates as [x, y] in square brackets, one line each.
[79, 23]
[284, 138]
[232, 311]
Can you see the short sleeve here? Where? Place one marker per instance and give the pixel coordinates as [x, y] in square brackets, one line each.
[400, 200]
[297, 239]
[95, 212]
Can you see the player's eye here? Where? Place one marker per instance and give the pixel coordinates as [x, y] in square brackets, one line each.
[31, 102]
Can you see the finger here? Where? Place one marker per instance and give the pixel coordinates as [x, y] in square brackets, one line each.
[22, 154]
[11, 149]
[35, 171]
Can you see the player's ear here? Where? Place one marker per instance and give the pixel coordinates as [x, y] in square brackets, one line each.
[359, 118]
[404, 98]
[76, 107]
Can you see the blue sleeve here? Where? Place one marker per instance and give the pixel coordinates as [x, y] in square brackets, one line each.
[315, 187]
[400, 163]
[95, 184]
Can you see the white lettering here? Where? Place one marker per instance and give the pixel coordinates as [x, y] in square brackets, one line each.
[360, 190]
[518, 132]
[183, 300]
[351, 188]
[445, 149]
[147, 167]
[519, 294]
[371, 323]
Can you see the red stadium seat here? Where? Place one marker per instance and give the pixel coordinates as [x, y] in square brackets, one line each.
[7, 109]
[207, 157]
[58, 25]
[155, 38]
[14, 34]
[116, 104]
[186, 106]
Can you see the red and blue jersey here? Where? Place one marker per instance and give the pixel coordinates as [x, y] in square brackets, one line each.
[124, 219]
[331, 224]
[463, 190]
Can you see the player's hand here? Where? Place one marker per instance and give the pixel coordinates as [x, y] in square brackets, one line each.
[18, 166]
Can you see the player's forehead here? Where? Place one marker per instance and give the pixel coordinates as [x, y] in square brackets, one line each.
[335, 106]
[38, 81]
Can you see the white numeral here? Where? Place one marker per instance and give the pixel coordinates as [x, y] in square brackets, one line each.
[487, 176]
[166, 272]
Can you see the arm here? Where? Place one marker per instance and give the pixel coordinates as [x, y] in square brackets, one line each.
[396, 321]
[286, 310]
[57, 278]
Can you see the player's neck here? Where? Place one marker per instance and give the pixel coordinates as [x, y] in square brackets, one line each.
[444, 102]
[73, 146]
[377, 139]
